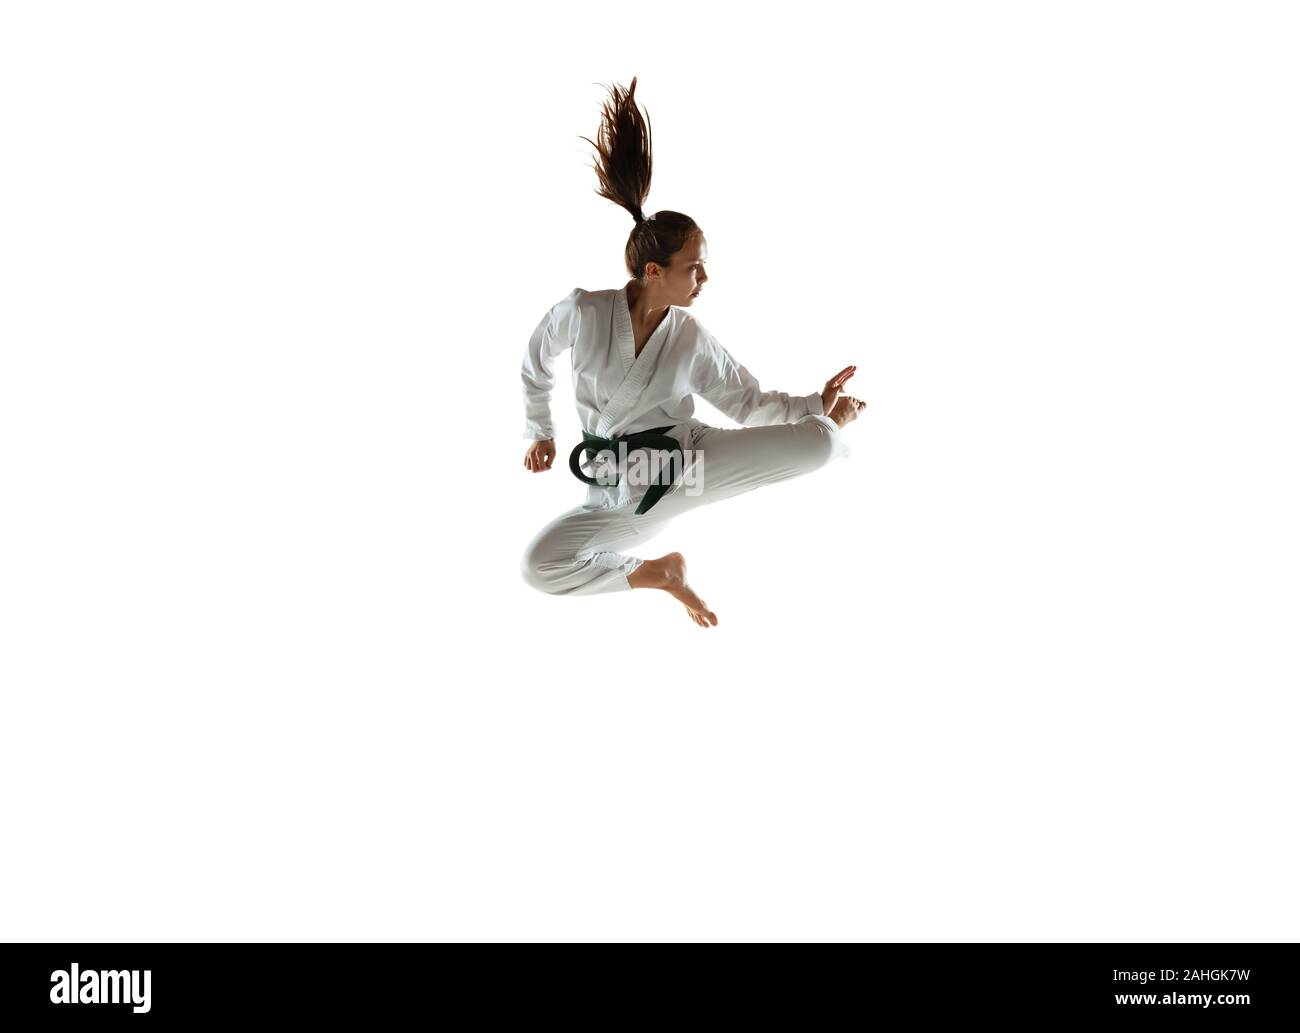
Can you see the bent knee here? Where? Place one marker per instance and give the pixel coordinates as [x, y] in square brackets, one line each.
[541, 571]
[820, 443]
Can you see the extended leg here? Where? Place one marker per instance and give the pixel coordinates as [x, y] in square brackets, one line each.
[729, 463]
[577, 553]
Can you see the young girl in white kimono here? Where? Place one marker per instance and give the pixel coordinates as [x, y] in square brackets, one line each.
[638, 357]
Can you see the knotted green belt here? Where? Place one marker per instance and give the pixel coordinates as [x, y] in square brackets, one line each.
[656, 438]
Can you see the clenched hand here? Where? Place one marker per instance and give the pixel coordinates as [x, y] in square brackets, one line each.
[540, 455]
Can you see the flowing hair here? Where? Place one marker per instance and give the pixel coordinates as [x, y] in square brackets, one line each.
[623, 166]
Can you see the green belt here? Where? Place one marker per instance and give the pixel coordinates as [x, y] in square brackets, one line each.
[656, 438]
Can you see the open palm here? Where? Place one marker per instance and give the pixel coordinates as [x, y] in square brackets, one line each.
[834, 386]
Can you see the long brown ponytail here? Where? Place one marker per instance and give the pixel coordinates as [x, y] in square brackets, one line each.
[623, 167]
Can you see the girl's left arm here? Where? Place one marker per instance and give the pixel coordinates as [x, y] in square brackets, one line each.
[725, 383]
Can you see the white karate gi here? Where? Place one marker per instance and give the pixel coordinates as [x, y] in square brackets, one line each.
[619, 392]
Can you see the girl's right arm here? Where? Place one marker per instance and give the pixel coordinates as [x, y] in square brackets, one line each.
[554, 334]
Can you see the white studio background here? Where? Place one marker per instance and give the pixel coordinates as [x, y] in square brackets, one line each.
[1022, 668]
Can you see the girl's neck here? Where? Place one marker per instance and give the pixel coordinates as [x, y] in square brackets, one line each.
[642, 309]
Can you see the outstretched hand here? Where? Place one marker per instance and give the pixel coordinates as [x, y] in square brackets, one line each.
[834, 386]
[540, 455]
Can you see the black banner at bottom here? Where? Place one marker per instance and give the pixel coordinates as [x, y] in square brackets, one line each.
[368, 985]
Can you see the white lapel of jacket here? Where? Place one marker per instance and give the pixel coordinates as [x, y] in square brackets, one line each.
[636, 368]
[622, 328]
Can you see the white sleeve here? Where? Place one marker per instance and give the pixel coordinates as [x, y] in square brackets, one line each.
[548, 340]
[734, 390]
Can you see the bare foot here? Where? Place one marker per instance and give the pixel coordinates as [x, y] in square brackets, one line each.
[668, 573]
[846, 410]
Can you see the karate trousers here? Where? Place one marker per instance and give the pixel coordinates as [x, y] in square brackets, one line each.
[580, 552]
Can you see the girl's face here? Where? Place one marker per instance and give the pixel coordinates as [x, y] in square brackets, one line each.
[684, 278]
